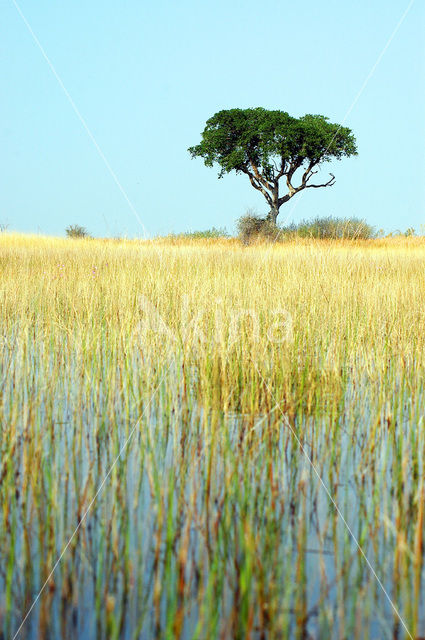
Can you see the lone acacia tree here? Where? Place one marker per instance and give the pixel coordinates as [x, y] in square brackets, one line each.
[270, 145]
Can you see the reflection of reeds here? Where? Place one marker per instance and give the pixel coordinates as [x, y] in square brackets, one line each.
[205, 525]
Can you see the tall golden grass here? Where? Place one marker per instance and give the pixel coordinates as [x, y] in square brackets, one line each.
[212, 523]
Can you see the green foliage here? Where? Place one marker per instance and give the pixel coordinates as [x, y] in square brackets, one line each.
[236, 139]
[208, 233]
[76, 231]
[331, 228]
[252, 227]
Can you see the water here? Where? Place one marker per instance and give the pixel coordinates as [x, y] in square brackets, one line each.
[210, 524]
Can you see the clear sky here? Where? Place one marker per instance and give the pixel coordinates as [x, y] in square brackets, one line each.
[146, 76]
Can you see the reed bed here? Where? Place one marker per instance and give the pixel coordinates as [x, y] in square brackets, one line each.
[187, 380]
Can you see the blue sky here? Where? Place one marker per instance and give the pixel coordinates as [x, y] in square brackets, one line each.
[146, 76]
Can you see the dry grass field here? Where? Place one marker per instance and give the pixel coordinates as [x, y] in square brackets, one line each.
[174, 403]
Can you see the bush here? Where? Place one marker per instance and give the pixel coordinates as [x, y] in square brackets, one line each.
[199, 235]
[208, 233]
[253, 227]
[331, 228]
[76, 231]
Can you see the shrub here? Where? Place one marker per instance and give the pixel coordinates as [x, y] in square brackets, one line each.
[253, 227]
[200, 235]
[208, 233]
[76, 231]
[331, 228]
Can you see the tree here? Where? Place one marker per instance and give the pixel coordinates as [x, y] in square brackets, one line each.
[76, 231]
[270, 145]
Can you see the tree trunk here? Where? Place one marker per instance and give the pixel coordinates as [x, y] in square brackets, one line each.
[273, 213]
[274, 208]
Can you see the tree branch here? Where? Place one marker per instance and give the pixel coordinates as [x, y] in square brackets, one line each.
[258, 186]
[289, 174]
[284, 199]
[282, 169]
[308, 172]
[329, 183]
[260, 178]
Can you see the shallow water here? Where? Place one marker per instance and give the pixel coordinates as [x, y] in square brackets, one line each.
[215, 520]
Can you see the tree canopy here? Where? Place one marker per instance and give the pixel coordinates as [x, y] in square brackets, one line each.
[270, 145]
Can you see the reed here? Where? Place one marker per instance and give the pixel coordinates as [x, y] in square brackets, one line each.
[211, 524]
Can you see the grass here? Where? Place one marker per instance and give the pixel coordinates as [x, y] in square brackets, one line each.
[331, 228]
[212, 523]
[252, 227]
[200, 235]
